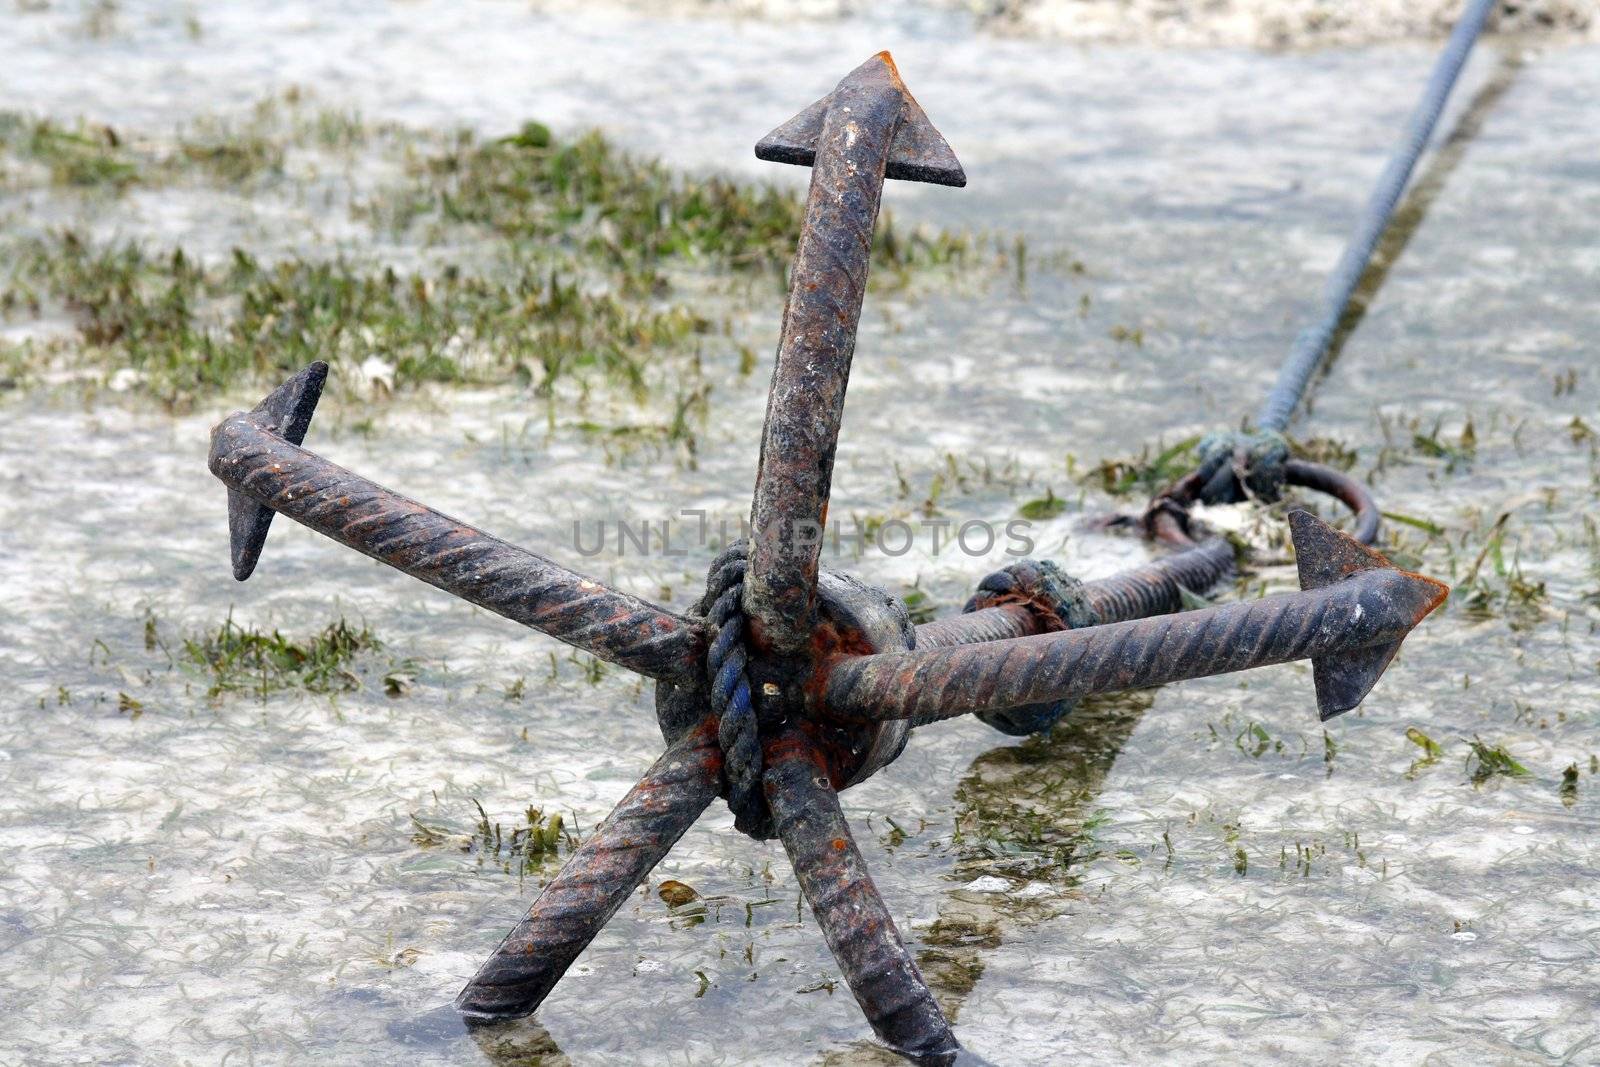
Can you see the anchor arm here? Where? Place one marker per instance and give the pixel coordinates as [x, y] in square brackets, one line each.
[1349, 619]
[597, 879]
[854, 919]
[265, 473]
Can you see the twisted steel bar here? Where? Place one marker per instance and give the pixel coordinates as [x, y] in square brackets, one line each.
[854, 920]
[1371, 606]
[1157, 587]
[1154, 588]
[814, 353]
[525, 587]
[596, 879]
[975, 627]
[847, 138]
[1070, 664]
[1311, 346]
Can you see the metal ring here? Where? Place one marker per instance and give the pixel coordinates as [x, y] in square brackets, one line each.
[1342, 487]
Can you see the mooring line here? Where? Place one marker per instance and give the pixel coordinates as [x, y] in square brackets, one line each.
[1254, 464]
[1312, 344]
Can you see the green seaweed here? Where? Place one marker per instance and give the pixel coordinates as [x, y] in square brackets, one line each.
[575, 290]
[1486, 761]
[246, 659]
[1503, 588]
[521, 848]
[631, 212]
[1146, 473]
[189, 329]
[83, 155]
[919, 605]
[1043, 508]
[1431, 751]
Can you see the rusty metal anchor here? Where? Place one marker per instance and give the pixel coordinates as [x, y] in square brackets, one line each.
[836, 674]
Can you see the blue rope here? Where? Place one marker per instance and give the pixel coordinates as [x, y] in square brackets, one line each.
[1311, 346]
[730, 691]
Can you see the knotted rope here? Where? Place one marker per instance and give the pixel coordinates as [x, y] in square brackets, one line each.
[729, 685]
[1237, 466]
[1060, 602]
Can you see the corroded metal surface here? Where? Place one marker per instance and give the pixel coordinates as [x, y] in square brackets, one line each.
[848, 137]
[1158, 587]
[989, 624]
[430, 546]
[1153, 588]
[1167, 516]
[1334, 622]
[597, 878]
[858, 928]
[287, 413]
[1343, 488]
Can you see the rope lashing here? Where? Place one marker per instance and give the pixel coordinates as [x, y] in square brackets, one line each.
[729, 691]
[1311, 346]
[1059, 602]
[1238, 466]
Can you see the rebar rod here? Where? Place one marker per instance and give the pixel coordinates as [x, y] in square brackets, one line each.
[854, 920]
[975, 627]
[828, 285]
[1369, 608]
[597, 878]
[867, 129]
[451, 555]
[1154, 588]
[1158, 587]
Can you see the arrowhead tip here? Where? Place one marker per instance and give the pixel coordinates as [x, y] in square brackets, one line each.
[919, 152]
[286, 412]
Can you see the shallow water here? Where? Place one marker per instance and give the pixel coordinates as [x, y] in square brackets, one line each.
[237, 880]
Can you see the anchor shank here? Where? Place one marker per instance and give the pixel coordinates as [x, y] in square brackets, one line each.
[854, 920]
[597, 879]
[446, 553]
[1367, 609]
[806, 400]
